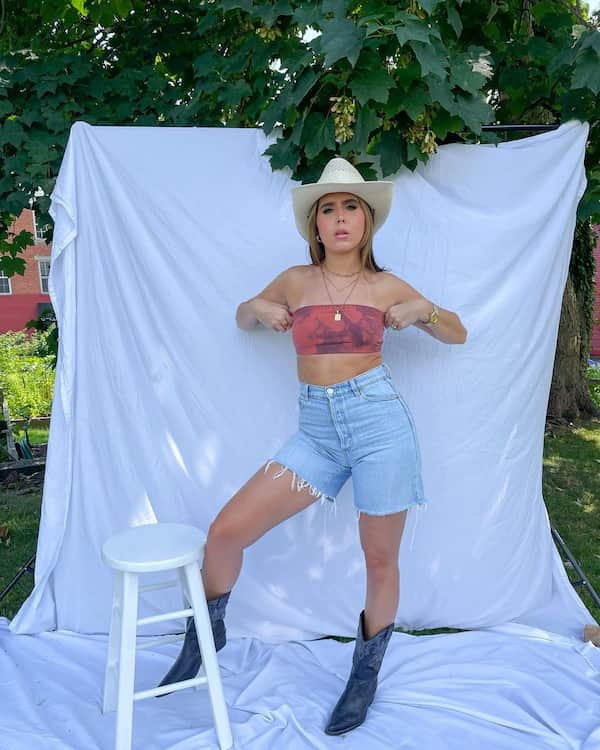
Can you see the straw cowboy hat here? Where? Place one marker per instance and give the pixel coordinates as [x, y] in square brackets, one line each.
[339, 176]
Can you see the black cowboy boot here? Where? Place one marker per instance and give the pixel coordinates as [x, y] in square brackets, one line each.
[351, 709]
[189, 660]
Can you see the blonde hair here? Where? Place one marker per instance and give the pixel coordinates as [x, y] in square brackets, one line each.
[317, 249]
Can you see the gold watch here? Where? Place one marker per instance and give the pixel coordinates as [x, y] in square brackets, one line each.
[433, 316]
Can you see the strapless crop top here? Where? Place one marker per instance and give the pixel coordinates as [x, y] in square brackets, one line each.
[315, 330]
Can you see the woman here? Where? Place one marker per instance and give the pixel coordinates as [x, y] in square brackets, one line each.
[352, 421]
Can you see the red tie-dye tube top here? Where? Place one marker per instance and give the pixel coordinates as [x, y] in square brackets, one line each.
[315, 331]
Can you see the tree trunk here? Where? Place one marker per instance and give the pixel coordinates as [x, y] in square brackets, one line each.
[570, 397]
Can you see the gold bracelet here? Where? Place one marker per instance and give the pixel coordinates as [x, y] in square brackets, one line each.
[433, 316]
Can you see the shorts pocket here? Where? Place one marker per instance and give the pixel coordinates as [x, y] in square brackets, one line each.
[377, 390]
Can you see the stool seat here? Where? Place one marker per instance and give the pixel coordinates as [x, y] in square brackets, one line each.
[154, 547]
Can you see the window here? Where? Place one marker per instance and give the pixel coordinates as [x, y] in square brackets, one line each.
[44, 267]
[38, 231]
[4, 283]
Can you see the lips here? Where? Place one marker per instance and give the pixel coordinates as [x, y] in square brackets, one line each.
[342, 234]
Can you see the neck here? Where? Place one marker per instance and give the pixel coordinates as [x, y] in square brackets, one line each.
[344, 265]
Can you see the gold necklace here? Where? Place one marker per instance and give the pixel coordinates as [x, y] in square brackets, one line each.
[342, 274]
[338, 313]
[339, 288]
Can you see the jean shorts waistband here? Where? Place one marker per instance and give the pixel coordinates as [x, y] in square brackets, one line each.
[345, 387]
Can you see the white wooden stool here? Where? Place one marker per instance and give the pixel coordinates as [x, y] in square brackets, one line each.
[149, 549]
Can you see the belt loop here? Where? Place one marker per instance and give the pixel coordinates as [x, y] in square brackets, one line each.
[304, 390]
[389, 372]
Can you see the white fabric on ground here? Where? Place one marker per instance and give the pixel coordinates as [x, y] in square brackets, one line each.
[515, 691]
[163, 408]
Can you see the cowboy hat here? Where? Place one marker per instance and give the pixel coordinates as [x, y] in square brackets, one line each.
[339, 176]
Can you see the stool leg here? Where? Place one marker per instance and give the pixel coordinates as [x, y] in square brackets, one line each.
[187, 602]
[127, 643]
[195, 590]
[112, 657]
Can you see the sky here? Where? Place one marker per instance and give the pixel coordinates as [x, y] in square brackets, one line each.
[594, 5]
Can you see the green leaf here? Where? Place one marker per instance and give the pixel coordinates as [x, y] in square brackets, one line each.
[12, 266]
[429, 59]
[283, 154]
[371, 84]
[339, 8]
[414, 101]
[233, 93]
[391, 148]
[303, 85]
[274, 113]
[440, 92]
[587, 72]
[122, 7]
[443, 122]
[318, 134]
[429, 5]
[341, 38]
[80, 6]
[473, 111]
[412, 29]
[12, 132]
[366, 122]
[454, 20]
[304, 16]
[367, 170]
[590, 39]
[463, 75]
[268, 14]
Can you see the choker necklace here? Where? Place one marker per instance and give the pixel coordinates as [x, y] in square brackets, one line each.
[342, 274]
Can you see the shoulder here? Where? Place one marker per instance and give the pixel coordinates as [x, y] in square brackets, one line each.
[395, 289]
[284, 285]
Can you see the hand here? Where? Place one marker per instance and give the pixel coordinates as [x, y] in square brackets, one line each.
[272, 314]
[405, 314]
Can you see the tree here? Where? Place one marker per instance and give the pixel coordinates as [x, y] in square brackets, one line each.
[385, 78]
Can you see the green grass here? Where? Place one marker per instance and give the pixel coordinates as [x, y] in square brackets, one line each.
[20, 514]
[37, 435]
[571, 487]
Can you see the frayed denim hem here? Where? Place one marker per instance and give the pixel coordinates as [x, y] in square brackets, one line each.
[300, 483]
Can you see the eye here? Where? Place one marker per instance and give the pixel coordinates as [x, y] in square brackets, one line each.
[326, 210]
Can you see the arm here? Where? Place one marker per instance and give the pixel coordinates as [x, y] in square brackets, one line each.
[269, 307]
[410, 307]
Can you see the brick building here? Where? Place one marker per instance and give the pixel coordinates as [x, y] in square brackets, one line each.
[22, 298]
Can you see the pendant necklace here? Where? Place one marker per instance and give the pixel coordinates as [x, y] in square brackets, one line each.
[338, 313]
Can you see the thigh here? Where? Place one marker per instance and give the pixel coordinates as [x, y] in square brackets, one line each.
[264, 501]
[380, 537]
[386, 467]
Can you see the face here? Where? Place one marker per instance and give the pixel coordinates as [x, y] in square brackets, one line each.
[340, 222]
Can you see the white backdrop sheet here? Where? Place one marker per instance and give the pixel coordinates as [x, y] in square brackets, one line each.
[163, 408]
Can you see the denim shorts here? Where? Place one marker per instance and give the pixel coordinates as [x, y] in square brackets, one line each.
[360, 427]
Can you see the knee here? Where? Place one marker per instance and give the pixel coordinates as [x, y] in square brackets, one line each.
[224, 531]
[380, 562]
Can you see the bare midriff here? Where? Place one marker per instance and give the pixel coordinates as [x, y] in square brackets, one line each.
[327, 369]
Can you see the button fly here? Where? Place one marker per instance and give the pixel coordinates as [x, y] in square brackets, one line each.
[330, 391]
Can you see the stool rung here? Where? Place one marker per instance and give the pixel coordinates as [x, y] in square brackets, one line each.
[160, 640]
[158, 585]
[166, 616]
[173, 687]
